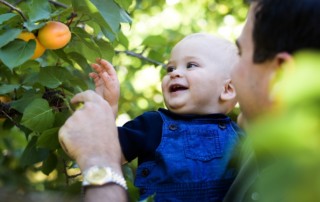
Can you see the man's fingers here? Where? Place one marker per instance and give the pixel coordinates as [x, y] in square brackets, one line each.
[86, 96]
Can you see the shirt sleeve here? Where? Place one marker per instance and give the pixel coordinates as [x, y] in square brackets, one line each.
[141, 136]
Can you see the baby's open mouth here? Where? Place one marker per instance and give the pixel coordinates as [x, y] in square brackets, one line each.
[177, 87]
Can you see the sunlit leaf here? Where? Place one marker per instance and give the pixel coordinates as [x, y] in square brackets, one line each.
[84, 6]
[30, 26]
[106, 49]
[7, 16]
[39, 10]
[87, 40]
[125, 17]
[107, 32]
[8, 36]
[86, 45]
[81, 61]
[110, 12]
[123, 40]
[124, 3]
[38, 116]
[17, 52]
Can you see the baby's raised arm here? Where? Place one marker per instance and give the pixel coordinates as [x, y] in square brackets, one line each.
[106, 83]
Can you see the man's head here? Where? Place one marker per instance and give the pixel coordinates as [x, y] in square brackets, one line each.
[198, 76]
[273, 32]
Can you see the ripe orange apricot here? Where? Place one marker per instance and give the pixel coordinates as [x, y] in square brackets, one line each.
[54, 35]
[26, 36]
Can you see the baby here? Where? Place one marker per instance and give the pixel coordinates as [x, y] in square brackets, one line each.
[183, 151]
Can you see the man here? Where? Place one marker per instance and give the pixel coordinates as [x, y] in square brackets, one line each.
[273, 32]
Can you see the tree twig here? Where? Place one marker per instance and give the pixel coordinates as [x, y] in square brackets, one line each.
[14, 8]
[56, 3]
[65, 171]
[137, 55]
[10, 118]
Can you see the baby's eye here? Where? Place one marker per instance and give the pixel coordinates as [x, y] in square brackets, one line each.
[191, 64]
[170, 69]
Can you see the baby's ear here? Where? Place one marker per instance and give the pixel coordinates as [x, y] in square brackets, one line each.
[229, 92]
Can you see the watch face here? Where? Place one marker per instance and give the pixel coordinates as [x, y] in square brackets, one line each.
[98, 175]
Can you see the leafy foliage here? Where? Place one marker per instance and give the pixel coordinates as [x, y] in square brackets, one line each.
[286, 141]
[35, 94]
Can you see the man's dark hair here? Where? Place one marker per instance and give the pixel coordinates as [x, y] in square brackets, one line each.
[285, 26]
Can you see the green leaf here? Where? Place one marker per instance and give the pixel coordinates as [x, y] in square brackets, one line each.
[49, 139]
[81, 61]
[39, 10]
[123, 40]
[32, 155]
[125, 17]
[8, 88]
[23, 102]
[7, 16]
[108, 32]
[49, 164]
[154, 41]
[17, 52]
[61, 54]
[38, 116]
[9, 36]
[110, 12]
[106, 49]
[84, 6]
[53, 77]
[86, 38]
[33, 26]
[125, 4]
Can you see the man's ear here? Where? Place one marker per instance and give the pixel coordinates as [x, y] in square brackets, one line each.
[283, 63]
[228, 92]
[282, 58]
[278, 65]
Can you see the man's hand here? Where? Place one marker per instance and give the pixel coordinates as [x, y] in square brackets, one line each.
[90, 135]
[106, 82]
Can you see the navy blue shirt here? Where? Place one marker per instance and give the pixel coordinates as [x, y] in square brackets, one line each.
[141, 136]
[181, 157]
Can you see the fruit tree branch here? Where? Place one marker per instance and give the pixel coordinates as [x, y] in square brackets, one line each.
[56, 3]
[137, 55]
[14, 8]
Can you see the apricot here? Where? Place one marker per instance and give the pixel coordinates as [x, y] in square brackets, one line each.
[54, 35]
[26, 36]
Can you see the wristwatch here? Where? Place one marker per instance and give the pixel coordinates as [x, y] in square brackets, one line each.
[99, 175]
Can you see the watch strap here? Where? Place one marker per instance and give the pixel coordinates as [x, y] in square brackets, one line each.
[107, 176]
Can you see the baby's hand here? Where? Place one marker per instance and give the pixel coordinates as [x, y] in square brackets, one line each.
[106, 82]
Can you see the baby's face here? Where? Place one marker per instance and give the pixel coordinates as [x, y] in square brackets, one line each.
[195, 76]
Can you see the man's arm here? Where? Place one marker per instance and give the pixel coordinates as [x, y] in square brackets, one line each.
[90, 137]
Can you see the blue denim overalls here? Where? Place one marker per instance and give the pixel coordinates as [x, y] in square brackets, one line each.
[191, 161]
